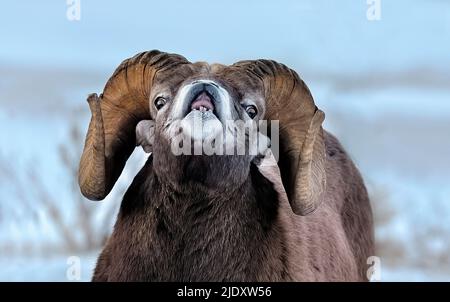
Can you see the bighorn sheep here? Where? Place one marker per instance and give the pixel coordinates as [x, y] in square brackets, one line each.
[223, 217]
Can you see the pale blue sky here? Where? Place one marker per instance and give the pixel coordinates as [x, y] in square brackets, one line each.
[330, 36]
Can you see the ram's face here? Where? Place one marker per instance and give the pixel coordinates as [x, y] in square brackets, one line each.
[205, 112]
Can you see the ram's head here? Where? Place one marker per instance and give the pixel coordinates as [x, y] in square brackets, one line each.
[168, 105]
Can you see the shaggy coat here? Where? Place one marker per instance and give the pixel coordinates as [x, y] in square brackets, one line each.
[248, 234]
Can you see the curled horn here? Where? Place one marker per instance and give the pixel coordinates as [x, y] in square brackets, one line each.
[302, 150]
[110, 139]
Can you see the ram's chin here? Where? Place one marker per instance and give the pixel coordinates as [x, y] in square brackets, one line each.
[201, 125]
[198, 133]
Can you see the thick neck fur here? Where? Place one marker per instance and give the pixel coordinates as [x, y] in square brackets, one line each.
[189, 232]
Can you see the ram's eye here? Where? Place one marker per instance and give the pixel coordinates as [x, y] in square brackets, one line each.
[160, 102]
[251, 111]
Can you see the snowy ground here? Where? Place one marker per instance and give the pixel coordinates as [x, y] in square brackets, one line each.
[61, 269]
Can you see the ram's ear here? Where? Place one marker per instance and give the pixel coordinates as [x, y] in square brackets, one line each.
[145, 135]
[268, 167]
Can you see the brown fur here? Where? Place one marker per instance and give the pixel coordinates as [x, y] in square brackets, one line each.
[248, 234]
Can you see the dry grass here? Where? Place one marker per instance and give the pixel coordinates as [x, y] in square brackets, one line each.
[82, 232]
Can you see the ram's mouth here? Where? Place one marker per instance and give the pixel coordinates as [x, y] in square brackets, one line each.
[203, 102]
[202, 108]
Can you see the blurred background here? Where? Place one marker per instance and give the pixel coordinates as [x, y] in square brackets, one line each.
[379, 69]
